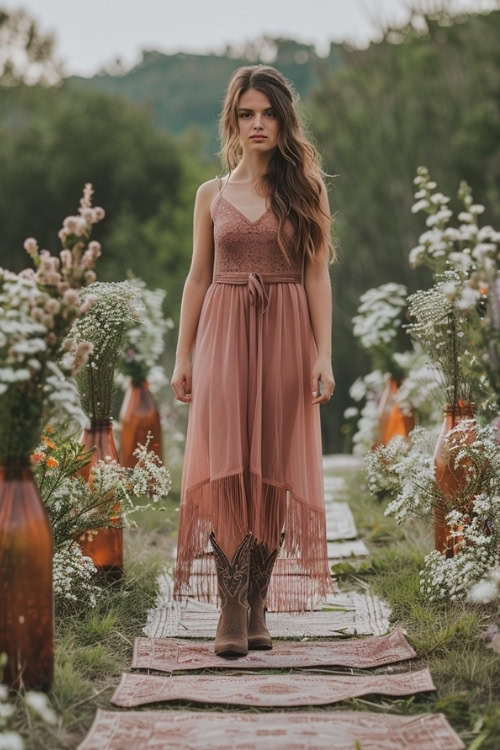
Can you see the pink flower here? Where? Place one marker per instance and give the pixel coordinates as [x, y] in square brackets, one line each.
[71, 297]
[66, 258]
[95, 248]
[28, 273]
[70, 224]
[62, 234]
[88, 215]
[31, 246]
[99, 212]
[88, 303]
[53, 306]
[90, 277]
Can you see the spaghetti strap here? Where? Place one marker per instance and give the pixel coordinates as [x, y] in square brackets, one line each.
[216, 199]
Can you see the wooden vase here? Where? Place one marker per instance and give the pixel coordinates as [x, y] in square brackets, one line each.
[450, 479]
[104, 546]
[138, 416]
[391, 420]
[26, 592]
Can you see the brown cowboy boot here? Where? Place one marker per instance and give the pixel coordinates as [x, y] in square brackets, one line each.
[231, 638]
[262, 561]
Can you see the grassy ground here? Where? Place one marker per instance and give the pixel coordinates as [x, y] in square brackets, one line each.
[92, 650]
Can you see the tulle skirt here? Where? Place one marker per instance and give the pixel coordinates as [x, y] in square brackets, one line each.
[253, 454]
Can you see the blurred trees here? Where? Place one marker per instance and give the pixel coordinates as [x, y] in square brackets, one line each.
[428, 93]
[25, 53]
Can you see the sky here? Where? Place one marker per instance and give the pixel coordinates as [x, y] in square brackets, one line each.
[92, 34]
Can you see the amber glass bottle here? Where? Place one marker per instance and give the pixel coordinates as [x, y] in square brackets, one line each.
[26, 598]
[106, 546]
[138, 416]
[449, 479]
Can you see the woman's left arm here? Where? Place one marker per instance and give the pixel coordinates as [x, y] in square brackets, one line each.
[319, 296]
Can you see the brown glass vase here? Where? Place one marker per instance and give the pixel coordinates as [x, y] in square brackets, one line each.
[138, 416]
[104, 546]
[391, 420]
[26, 594]
[449, 478]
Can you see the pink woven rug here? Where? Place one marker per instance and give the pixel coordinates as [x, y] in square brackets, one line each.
[172, 655]
[263, 690]
[179, 730]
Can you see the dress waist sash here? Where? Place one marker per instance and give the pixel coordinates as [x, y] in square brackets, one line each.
[256, 289]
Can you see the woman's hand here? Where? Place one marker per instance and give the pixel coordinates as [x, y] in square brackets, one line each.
[322, 370]
[181, 380]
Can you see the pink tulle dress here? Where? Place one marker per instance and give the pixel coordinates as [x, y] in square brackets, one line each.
[253, 457]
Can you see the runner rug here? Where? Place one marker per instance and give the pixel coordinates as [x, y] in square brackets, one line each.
[348, 613]
[263, 690]
[196, 730]
[172, 655]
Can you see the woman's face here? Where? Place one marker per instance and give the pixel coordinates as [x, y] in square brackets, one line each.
[256, 117]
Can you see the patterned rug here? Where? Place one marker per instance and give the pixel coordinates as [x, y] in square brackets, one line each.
[263, 690]
[202, 730]
[172, 655]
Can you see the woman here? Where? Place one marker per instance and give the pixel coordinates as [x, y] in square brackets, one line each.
[256, 317]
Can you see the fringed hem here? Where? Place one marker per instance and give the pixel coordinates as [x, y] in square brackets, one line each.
[232, 506]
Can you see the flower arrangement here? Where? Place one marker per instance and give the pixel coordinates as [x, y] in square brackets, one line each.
[377, 322]
[37, 309]
[472, 513]
[473, 252]
[110, 309]
[144, 344]
[444, 331]
[76, 507]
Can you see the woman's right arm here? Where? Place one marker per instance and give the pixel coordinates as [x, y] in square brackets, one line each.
[197, 282]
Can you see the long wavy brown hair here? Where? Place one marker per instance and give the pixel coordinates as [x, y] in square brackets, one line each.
[294, 175]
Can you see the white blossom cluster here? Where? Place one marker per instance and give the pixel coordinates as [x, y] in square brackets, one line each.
[467, 248]
[115, 306]
[74, 577]
[445, 333]
[379, 314]
[35, 702]
[407, 471]
[148, 478]
[477, 534]
[368, 387]
[144, 344]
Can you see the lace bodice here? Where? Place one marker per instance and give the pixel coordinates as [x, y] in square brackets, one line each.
[244, 245]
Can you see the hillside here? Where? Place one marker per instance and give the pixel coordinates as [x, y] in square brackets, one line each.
[186, 90]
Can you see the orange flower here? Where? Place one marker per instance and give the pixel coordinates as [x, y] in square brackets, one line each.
[49, 429]
[49, 443]
[36, 457]
[52, 463]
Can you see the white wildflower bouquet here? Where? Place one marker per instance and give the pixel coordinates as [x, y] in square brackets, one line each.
[472, 251]
[77, 507]
[477, 531]
[144, 343]
[113, 308]
[37, 309]
[472, 514]
[445, 333]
